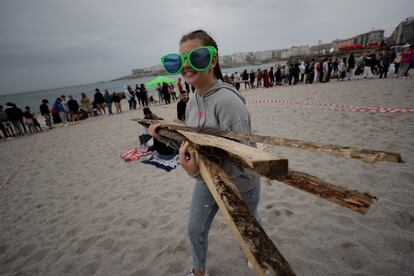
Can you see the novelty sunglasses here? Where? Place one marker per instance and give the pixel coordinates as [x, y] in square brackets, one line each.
[199, 59]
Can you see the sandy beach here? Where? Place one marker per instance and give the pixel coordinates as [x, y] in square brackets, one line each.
[70, 206]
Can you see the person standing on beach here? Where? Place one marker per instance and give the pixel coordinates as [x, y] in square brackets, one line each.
[180, 86]
[45, 112]
[65, 106]
[15, 116]
[86, 104]
[58, 106]
[385, 63]
[128, 97]
[73, 109]
[407, 56]
[325, 70]
[117, 102]
[138, 94]
[266, 78]
[237, 80]
[159, 91]
[5, 124]
[367, 67]
[144, 95]
[252, 79]
[272, 77]
[351, 67]
[181, 106]
[341, 69]
[100, 101]
[108, 101]
[31, 121]
[215, 105]
[259, 78]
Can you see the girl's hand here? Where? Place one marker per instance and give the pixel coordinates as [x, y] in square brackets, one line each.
[188, 159]
[152, 130]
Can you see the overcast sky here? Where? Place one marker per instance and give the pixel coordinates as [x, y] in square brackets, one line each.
[55, 43]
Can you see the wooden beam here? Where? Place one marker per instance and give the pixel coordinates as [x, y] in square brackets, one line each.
[366, 155]
[264, 163]
[256, 245]
[354, 200]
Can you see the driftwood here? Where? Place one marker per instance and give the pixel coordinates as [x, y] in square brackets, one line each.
[354, 200]
[257, 246]
[367, 155]
[264, 163]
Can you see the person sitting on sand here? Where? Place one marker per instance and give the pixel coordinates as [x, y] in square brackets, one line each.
[145, 137]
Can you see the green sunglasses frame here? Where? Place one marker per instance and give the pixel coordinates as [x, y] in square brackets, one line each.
[211, 49]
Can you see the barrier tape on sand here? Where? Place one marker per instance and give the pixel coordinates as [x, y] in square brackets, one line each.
[332, 107]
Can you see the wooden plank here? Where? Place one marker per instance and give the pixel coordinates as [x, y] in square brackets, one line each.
[354, 200]
[366, 155]
[256, 245]
[264, 163]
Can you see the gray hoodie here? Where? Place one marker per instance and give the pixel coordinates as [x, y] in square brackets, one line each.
[223, 107]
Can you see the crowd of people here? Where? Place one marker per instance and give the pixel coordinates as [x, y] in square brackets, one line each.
[323, 70]
[16, 122]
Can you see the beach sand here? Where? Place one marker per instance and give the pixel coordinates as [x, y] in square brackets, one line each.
[70, 206]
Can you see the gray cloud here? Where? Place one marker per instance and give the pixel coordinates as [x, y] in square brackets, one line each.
[49, 43]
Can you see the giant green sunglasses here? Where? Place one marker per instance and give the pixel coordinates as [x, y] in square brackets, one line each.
[199, 59]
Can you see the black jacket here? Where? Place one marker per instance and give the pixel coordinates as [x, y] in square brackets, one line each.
[44, 109]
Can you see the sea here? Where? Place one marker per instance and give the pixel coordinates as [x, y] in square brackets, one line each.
[34, 98]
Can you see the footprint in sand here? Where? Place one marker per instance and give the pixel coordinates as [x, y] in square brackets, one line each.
[90, 269]
[3, 249]
[38, 256]
[175, 267]
[85, 244]
[404, 220]
[141, 272]
[107, 244]
[73, 232]
[101, 205]
[347, 244]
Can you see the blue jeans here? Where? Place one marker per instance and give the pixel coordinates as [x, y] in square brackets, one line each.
[18, 127]
[202, 212]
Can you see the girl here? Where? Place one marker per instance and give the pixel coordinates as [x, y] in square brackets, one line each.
[214, 105]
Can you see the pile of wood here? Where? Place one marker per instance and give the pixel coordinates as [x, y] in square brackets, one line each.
[257, 246]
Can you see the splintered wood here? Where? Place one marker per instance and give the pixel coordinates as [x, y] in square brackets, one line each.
[257, 246]
[353, 200]
[366, 155]
[264, 163]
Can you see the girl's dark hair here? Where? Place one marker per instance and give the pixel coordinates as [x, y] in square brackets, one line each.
[206, 40]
